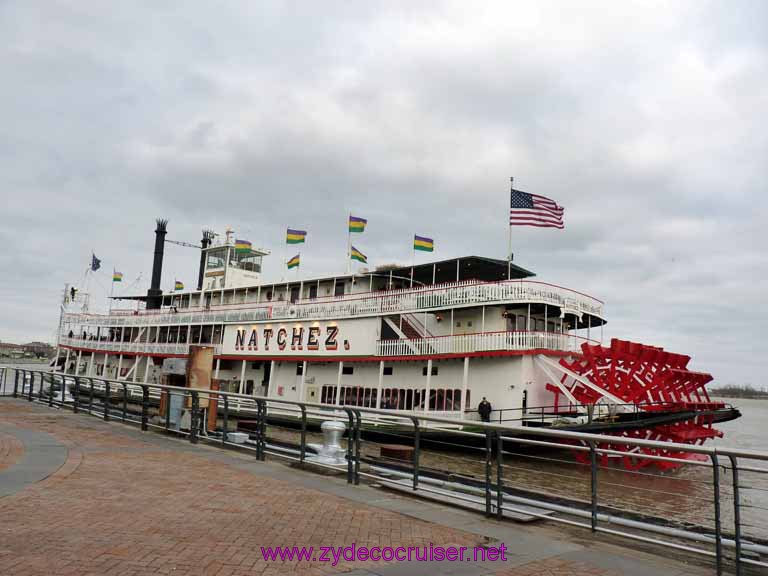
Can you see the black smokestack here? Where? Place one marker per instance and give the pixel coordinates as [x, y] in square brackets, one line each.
[205, 242]
[154, 294]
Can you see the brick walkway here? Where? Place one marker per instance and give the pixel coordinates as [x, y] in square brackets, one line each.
[11, 450]
[132, 503]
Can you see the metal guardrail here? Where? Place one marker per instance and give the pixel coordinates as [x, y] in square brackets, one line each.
[494, 442]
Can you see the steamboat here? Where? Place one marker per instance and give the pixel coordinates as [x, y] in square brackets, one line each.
[434, 338]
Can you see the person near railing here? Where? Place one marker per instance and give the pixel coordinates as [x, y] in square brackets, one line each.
[484, 409]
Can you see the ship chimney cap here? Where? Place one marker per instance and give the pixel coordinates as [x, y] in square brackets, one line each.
[162, 224]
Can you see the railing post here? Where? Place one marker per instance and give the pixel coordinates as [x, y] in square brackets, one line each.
[144, 407]
[357, 446]
[225, 431]
[488, 463]
[106, 400]
[350, 441]
[193, 422]
[167, 410]
[90, 397]
[50, 390]
[76, 396]
[736, 514]
[593, 482]
[499, 475]
[416, 450]
[303, 445]
[16, 383]
[125, 401]
[31, 384]
[718, 527]
[263, 431]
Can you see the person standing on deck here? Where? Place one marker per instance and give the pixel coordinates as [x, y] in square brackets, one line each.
[484, 409]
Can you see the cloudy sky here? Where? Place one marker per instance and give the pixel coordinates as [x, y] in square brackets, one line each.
[646, 120]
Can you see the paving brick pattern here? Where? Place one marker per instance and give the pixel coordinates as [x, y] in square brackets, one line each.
[11, 450]
[130, 504]
[555, 567]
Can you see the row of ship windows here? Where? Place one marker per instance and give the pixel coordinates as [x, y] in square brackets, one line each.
[348, 370]
[440, 399]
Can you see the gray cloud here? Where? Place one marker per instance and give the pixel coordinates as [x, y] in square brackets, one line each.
[643, 119]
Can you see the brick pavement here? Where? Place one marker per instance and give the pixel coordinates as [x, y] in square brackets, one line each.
[131, 503]
[11, 450]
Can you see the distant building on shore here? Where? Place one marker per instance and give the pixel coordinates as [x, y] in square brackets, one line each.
[29, 350]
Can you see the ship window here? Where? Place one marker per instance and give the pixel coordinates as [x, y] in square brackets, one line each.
[299, 368]
[216, 259]
[424, 371]
[387, 370]
[540, 325]
[339, 289]
[348, 370]
[269, 295]
[294, 294]
[522, 323]
[313, 291]
[551, 326]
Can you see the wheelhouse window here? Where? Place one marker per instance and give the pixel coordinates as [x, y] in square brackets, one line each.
[249, 261]
[217, 259]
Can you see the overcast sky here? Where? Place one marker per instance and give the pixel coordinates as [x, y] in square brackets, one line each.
[646, 120]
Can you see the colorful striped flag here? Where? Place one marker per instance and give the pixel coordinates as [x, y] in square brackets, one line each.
[355, 254]
[178, 285]
[295, 236]
[294, 262]
[423, 243]
[117, 276]
[243, 247]
[357, 224]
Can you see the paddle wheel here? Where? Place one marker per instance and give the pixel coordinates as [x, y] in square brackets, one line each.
[639, 387]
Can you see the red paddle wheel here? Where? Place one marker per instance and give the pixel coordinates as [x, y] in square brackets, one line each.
[642, 381]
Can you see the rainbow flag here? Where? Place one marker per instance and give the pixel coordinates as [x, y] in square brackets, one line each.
[423, 243]
[295, 236]
[355, 254]
[294, 262]
[243, 247]
[357, 224]
[117, 276]
[178, 285]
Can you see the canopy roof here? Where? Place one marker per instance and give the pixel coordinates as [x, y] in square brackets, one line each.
[461, 269]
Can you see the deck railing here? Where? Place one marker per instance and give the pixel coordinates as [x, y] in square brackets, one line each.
[481, 342]
[460, 294]
[171, 349]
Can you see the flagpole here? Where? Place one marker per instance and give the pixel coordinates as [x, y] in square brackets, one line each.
[413, 261]
[509, 248]
[349, 244]
[111, 291]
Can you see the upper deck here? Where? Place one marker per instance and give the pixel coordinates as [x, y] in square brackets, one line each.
[299, 301]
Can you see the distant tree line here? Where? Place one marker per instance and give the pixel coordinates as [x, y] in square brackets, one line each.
[739, 391]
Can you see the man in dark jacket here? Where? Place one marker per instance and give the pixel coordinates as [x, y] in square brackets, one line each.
[484, 409]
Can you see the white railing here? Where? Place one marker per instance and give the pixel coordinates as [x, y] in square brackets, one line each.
[131, 347]
[456, 295]
[480, 342]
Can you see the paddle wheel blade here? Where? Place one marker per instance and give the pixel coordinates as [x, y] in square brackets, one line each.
[645, 381]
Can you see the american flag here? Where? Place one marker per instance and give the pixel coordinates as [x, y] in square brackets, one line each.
[534, 210]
